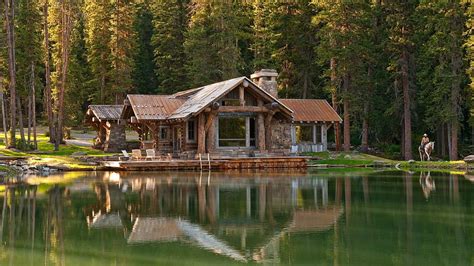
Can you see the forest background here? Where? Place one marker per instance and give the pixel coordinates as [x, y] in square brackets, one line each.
[393, 69]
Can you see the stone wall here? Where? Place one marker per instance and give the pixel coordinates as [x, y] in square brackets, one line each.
[280, 136]
[115, 139]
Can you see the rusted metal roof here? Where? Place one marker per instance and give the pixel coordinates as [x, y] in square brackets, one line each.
[106, 112]
[311, 110]
[154, 107]
[205, 95]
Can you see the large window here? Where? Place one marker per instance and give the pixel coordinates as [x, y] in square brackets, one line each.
[304, 133]
[232, 132]
[308, 134]
[237, 132]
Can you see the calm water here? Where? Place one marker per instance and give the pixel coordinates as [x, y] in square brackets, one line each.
[330, 218]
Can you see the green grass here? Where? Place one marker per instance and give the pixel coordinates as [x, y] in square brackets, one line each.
[46, 149]
[47, 155]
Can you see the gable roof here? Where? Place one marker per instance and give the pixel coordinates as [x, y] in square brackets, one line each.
[106, 112]
[204, 96]
[153, 107]
[312, 110]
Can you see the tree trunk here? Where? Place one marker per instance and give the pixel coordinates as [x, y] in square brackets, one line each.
[28, 122]
[443, 140]
[66, 26]
[453, 151]
[365, 131]
[48, 102]
[20, 119]
[305, 84]
[406, 107]
[347, 124]
[4, 115]
[33, 105]
[9, 19]
[337, 126]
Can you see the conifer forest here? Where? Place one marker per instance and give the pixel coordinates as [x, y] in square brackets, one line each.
[392, 69]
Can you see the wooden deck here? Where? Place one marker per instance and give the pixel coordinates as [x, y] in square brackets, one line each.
[214, 164]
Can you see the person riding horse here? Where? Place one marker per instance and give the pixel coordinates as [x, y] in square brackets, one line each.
[424, 140]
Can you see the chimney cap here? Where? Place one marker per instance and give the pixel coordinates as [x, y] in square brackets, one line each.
[264, 73]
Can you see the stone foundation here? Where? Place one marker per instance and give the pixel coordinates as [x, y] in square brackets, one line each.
[115, 140]
[280, 137]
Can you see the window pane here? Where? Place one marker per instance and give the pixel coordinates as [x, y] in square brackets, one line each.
[232, 131]
[318, 134]
[304, 134]
[191, 130]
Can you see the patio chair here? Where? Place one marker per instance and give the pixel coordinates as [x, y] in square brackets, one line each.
[137, 154]
[125, 157]
[150, 154]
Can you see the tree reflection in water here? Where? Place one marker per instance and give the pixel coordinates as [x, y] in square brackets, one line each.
[138, 219]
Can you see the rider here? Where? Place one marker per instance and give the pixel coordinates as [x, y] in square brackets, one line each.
[424, 140]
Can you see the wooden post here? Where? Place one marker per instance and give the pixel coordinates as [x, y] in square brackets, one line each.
[211, 131]
[201, 134]
[241, 96]
[261, 132]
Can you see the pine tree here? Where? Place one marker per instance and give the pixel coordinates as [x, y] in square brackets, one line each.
[212, 41]
[122, 44]
[441, 74]
[98, 30]
[143, 76]
[344, 38]
[264, 34]
[401, 28]
[169, 27]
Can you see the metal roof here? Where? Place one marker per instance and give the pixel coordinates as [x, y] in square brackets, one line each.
[311, 110]
[205, 95]
[106, 112]
[154, 107]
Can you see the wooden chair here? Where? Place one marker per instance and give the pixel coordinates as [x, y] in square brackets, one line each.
[125, 156]
[150, 154]
[137, 154]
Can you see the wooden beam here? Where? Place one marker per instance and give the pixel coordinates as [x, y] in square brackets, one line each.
[243, 109]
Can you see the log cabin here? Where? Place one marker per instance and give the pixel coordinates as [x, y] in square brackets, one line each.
[239, 117]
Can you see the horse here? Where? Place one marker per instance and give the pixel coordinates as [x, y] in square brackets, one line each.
[429, 147]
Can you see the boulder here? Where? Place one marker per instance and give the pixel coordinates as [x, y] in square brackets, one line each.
[79, 153]
[411, 161]
[469, 159]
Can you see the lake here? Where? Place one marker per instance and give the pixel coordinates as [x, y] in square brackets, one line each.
[292, 218]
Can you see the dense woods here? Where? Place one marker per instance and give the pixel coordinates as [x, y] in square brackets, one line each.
[392, 69]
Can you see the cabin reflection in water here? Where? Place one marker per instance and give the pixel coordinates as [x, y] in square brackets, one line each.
[242, 219]
[290, 218]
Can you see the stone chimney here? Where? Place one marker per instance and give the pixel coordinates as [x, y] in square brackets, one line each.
[266, 79]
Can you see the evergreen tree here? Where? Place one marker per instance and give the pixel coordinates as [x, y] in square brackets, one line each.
[401, 27]
[169, 26]
[144, 77]
[212, 41]
[122, 45]
[98, 31]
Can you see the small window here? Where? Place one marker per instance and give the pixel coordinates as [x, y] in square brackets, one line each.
[191, 130]
[319, 139]
[164, 132]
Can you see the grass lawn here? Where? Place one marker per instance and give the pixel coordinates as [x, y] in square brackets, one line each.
[46, 154]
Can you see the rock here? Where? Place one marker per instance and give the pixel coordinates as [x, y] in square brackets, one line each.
[79, 153]
[469, 159]
[347, 157]
[411, 161]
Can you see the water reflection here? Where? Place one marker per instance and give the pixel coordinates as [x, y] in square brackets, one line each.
[145, 218]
